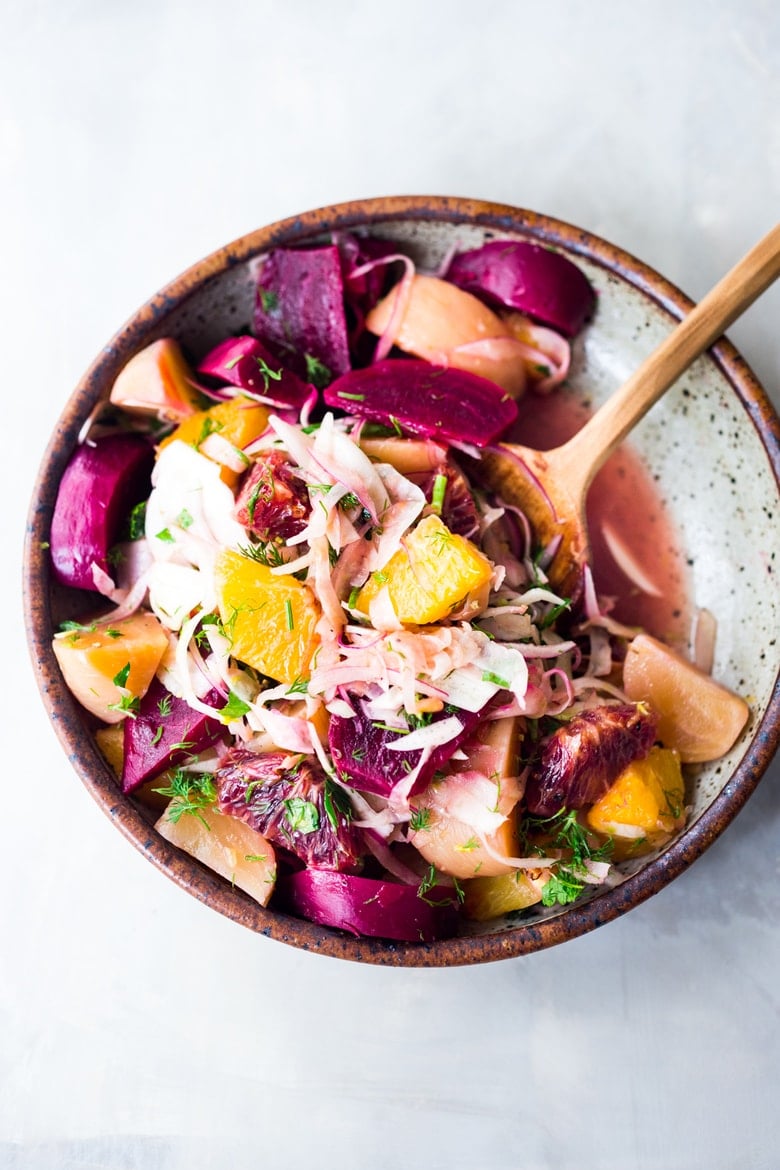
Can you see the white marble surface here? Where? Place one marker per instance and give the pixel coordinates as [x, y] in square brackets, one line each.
[137, 1028]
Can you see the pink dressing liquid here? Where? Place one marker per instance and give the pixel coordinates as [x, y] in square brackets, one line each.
[625, 513]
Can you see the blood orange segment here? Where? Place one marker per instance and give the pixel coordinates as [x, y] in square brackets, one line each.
[699, 718]
[270, 618]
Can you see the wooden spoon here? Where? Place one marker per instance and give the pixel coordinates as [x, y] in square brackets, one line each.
[550, 486]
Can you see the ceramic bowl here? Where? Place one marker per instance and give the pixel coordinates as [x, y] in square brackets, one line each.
[711, 446]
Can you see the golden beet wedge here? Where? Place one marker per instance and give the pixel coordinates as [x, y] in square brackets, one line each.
[109, 667]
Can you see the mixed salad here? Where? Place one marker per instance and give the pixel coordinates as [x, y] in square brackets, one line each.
[325, 651]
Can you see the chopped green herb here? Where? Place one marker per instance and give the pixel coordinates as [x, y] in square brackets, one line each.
[255, 856]
[111, 632]
[468, 846]
[336, 803]
[165, 535]
[439, 491]
[553, 614]
[184, 519]
[136, 521]
[353, 597]
[157, 735]
[121, 677]
[561, 889]
[543, 370]
[489, 677]
[288, 613]
[352, 397]
[302, 815]
[164, 706]
[316, 371]
[349, 501]
[380, 577]
[234, 708]
[115, 556]
[298, 686]
[209, 426]
[127, 705]
[190, 793]
[269, 300]
[268, 374]
[420, 819]
[268, 553]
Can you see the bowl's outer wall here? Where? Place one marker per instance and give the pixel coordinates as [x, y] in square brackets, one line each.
[713, 443]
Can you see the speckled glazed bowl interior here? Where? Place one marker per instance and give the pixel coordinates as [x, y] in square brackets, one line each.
[711, 445]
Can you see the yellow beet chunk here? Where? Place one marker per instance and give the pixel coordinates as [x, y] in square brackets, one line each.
[455, 848]
[700, 719]
[111, 741]
[109, 667]
[157, 381]
[431, 577]
[490, 897]
[270, 618]
[238, 421]
[228, 846]
[645, 804]
[439, 318]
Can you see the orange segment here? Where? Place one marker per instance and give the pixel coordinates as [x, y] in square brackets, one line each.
[270, 618]
[240, 420]
[432, 576]
[700, 718]
[648, 795]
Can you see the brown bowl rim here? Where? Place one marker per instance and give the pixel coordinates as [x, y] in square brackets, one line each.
[65, 714]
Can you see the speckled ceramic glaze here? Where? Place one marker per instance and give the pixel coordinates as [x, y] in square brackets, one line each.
[711, 445]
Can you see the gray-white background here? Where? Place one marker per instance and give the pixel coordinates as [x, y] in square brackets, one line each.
[137, 1028]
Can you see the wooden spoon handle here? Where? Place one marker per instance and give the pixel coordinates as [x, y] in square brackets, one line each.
[583, 455]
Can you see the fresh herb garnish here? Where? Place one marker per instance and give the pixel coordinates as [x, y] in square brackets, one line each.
[267, 373]
[288, 613]
[420, 819]
[299, 686]
[165, 535]
[121, 677]
[316, 371]
[302, 815]
[184, 519]
[439, 491]
[136, 521]
[190, 793]
[234, 708]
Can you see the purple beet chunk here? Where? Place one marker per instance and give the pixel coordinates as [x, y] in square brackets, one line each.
[362, 292]
[241, 361]
[360, 750]
[584, 758]
[152, 740]
[367, 906]
[299, 312]
[527, 277]
[439, 403]
[292, 804]
[101, 484]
